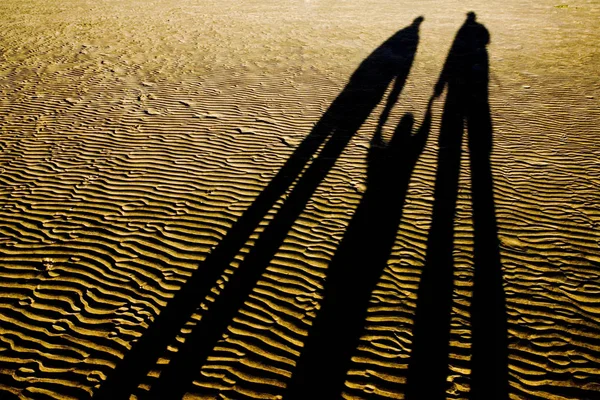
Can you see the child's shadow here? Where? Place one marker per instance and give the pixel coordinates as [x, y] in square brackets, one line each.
[358, 263]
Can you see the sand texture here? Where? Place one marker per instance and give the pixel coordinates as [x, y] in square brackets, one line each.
[229, 200]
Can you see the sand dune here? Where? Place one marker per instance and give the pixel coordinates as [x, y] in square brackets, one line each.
[156, 161]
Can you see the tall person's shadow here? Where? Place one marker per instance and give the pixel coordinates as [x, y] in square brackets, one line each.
[358, 263]
[389, 63]
[465, 74]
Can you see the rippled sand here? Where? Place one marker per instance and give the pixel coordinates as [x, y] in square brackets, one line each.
[135, 134]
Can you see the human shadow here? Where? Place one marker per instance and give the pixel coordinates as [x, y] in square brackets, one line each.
[390, 62]
[358, 263]
[465, 73]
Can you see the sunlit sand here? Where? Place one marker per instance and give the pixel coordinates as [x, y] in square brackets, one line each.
[299, 199]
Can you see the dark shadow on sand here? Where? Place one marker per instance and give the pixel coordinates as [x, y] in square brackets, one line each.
[465, 74]
[358, 263]
[391, 62]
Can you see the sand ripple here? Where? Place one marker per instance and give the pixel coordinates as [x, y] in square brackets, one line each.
[133, 136]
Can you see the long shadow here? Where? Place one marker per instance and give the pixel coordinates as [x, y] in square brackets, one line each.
[358, 264]
[466, 75]
[391, 62]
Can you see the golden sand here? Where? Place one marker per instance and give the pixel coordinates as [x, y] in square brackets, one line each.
[135, 135]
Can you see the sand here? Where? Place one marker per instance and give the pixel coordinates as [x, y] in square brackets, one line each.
[142, 144]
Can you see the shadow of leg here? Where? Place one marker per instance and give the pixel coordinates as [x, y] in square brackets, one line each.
[428, 365]
[489, 376]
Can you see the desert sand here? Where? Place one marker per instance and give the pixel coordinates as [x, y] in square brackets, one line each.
[260, 199]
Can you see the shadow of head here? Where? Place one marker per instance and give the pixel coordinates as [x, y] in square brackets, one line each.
[403, 130]
[480, 37]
